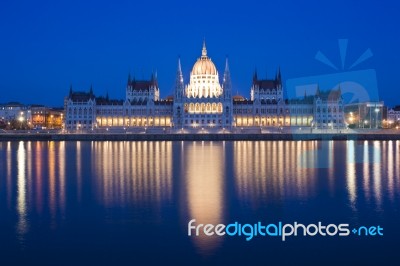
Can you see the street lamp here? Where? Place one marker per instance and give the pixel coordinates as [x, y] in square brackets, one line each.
[21, 119]
[376, 117]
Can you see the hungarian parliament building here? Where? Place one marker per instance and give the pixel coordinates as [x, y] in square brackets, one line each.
[205, 103]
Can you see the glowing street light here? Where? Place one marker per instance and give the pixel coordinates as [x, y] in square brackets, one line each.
[376, 117]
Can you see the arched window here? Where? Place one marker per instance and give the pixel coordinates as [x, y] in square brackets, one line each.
[203, 108]
[219, 107]
[208, 108]
[214, 107]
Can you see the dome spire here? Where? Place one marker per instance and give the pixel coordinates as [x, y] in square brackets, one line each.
[204, 51]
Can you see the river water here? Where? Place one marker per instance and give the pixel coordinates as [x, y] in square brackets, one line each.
[129, 203]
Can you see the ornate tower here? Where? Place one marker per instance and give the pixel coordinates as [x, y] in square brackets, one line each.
[227, 84]
[179, 85]
[178, 99]
[203, 104]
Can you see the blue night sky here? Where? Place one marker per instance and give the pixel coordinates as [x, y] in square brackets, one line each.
[48, 45]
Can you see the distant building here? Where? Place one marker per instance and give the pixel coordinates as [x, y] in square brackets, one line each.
[46, 118]
[266, 106]
[80, 110]
[365, 115]
[393, 116]
[301, 111]
[329, 107]
[15, 111]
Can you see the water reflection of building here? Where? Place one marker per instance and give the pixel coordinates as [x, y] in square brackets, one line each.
[271, 169]
[204, 188]
[35, 178]
[132, 172]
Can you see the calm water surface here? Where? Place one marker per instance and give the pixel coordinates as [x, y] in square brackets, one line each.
[112, 203]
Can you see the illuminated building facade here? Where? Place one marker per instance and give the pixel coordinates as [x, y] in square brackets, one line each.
[266, 106]
[204, 103]
[393, 116]
[46, 118]
[329, 109]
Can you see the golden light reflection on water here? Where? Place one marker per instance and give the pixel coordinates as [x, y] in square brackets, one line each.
[9, 187]
[61, 174]
[351, 173]
[377, 173]
[366, 177]
[137, 172]
[22, 225]
[390, 169]
[39, 173]
[271, 168]
[79, 170]
[204, 184]
[52, 179]
[38, 165]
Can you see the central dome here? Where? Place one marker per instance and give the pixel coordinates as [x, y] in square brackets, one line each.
[204, 81]
[204, 65]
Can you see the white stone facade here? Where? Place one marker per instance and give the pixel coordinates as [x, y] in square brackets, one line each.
[204, 103]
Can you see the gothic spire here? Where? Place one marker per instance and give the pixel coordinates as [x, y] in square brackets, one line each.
[279, 78]
[179, 86]
[227, 84]
[179, 70]
[70, 90]
[317, 93]
[129, 78]
[204, 50]
[255, 75]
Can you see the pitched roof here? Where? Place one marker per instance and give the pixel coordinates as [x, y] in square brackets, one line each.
[266, 83]
[142, 84]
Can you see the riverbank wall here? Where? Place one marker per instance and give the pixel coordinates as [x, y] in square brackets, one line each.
[192, 137]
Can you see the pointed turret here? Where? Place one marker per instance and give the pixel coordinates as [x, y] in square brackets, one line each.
[255, 75]
[70, 91]
[179, 86]
[91, 94]
[227, 84]
[305, 94]
[129, 78]
[107, 98]
[278, 76]
[204, 50]
[318, 92]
